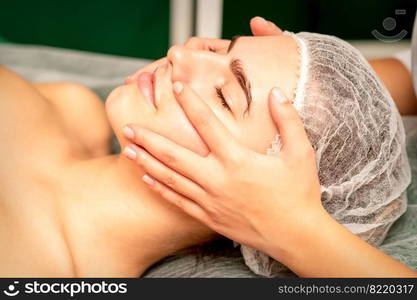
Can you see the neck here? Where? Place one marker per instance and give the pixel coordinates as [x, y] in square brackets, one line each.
[130, 227]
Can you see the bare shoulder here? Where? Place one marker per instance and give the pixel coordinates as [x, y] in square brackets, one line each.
[83, 114]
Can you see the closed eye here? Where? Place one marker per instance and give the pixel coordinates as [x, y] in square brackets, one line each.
[221, 97]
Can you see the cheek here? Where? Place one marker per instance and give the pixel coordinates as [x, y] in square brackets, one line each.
[122, 107]
[258, 131]
[125, 105]
[258, 139]
[173, 124]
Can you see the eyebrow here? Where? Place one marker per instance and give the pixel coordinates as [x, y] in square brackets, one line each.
[237, 70]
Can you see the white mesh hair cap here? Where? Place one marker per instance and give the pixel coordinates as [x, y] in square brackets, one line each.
[358, 137]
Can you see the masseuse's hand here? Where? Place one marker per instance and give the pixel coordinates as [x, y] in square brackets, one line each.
[259, 27]
[271, 203]
[246, 196]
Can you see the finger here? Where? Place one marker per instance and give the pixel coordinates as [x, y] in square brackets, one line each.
[198, 43]
[291, 129]
[163, 174]
[178, 158]
[217, 138]
[261, 27]
[188, 206]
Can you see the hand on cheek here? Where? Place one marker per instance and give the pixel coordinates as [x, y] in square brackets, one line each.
[235, 191]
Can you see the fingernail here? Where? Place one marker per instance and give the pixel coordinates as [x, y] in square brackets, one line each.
[128, 132]
[148, 180]
[279, 95]
[262, 20]
[178, 87]
[129, 152]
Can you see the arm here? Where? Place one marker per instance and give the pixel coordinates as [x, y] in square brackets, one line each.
[333, 251]
[284, 220]
[397, 79]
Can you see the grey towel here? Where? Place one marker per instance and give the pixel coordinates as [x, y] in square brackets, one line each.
[104, 72]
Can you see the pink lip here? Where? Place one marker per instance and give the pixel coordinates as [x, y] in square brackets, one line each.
[146, 83]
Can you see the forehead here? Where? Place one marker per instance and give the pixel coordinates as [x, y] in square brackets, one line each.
[268, 62]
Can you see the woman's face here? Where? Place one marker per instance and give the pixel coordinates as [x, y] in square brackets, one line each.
[234, 82]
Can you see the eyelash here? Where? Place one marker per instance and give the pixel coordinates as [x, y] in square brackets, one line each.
[218, 89]
[221, 97]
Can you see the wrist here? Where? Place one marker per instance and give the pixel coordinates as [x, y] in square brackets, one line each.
[293, 244]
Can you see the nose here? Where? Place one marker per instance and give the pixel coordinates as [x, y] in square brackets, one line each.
[176, 52]
[180, 58]
[189, 63]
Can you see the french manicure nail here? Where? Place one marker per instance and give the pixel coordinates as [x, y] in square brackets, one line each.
[178, 86]
[128, 132]
[129, 152]
[148, 180]
[279, 95]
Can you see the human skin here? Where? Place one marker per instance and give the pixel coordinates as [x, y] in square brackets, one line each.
[97, 218]
[395, 76]
[267, 61]
[66, 208]
[278, 220]
[223, 205]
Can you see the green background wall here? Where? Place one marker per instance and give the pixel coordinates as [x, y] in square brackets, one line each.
[141, 28]
[352, 19]
[127, 27]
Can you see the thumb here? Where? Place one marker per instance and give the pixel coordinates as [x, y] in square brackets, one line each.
[260, 27]
[288, 122]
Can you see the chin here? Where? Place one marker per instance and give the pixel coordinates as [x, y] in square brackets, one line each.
[122, 107]
[114, 105]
